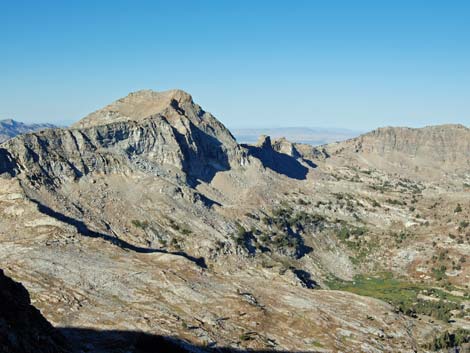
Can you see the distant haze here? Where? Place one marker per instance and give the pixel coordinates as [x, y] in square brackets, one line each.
[351, 64]
[10, 128]
[312, 136]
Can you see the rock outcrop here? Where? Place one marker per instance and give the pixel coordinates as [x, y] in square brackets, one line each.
[443, 144]
[147, 216]
[425, 153]
[22, 327]
[164, 134]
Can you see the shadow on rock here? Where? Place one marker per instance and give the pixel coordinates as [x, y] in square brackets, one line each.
[205, 161]
[96, 341]
[7, 163]
[279, 162]
[83, 229]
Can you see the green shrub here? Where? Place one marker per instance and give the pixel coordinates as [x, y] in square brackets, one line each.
[245, 337]
[449, 340]
[395, 202]
[439, 273]
[139, 224]
[375, 203]
[438, 309]
[185, 230]
[346, 232]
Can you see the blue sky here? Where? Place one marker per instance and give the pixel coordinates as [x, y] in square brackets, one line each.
[349, 64]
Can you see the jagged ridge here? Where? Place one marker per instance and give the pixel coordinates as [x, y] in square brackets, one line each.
[165, 134]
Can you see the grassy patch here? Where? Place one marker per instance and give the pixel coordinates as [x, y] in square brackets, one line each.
[383, 287]
[402, 295]
[140, 224]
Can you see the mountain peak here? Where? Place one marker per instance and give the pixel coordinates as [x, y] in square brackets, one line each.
[138, 105]
[176, 94]
[8, 122]
[10, 128]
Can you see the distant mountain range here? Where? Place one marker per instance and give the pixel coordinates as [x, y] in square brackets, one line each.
[311, 136]
[10, 128]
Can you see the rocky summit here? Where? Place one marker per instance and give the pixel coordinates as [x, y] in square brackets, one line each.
[146, 227]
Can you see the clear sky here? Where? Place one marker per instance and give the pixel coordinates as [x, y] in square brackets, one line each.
[350, 64]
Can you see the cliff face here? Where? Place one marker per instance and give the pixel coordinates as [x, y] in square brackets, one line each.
[22, 327]
[446, 144]
[428, 153]
[164, 134]
[147, 216]
[175, 105]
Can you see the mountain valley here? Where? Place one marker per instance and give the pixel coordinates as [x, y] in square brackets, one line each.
[147, 217]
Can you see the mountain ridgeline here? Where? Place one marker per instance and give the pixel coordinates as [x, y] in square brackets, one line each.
[160, 133]
[10, 128]
[147, 216]
[165, 132]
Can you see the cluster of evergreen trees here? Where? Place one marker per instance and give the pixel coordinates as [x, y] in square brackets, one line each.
[450, 340]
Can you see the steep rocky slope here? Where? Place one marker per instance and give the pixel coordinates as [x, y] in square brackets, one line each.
[22, 327]
[148, 216]
[10, 128]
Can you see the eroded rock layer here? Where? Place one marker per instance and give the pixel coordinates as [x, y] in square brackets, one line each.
[147, 216]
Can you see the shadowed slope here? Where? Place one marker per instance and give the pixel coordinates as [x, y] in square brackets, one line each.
[83, 229]
[114, 341]
[22, 327]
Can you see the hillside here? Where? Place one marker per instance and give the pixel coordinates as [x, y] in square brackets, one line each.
[22, 327]
[428, 153]
[148, 216]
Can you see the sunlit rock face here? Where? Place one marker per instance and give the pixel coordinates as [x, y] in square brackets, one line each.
[147, 216]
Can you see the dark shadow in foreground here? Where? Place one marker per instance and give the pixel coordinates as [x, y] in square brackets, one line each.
[83, 229]
[95, 341]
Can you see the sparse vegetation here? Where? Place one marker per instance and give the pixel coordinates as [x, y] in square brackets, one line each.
[440, 273]
[181, 228]
[240, 235]
[283, 230]
[246, 336]
[140, 224]
[403, 295]
[396, 202]
[346, 232]
[463, 225]
[400, 237]
[375, 203]
[449, 340]
[185, 230]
